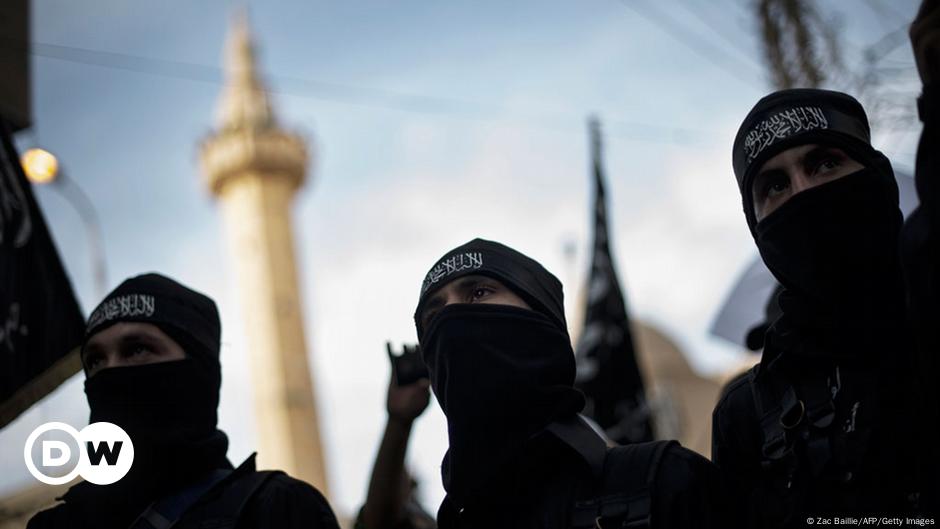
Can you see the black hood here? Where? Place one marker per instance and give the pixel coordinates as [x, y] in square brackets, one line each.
[522, 274]
[798, 116]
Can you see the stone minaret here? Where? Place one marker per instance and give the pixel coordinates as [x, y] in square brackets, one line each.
[255, 168]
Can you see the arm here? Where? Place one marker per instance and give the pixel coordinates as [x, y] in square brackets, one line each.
[925, 41]
[288, 503]
[920, 244]
[691, 493]
[389, 485]
[733, 450]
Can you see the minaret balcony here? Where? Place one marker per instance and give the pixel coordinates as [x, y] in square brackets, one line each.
[269, 153]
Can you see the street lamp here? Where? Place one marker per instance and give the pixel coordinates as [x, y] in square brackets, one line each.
[41, 167]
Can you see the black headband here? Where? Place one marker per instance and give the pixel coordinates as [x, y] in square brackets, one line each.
[797, 116]
[522, 274]
[187, 315]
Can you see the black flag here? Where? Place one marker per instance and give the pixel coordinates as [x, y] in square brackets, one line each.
[41, 324]
[607, 367]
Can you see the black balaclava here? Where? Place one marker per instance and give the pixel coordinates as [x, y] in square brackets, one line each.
[834, 247]
[500, 373]
[168, 409]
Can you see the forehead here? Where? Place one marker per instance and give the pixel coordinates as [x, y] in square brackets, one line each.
[124, 330]
[788, 156]
[459, 283]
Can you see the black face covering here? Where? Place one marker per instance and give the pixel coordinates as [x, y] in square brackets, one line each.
[501, 374]
[167, 402]
[834, 249]
[169, 411]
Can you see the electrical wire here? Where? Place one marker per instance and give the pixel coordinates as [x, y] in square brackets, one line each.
[702, 47]
[694, 8]
[357, 95]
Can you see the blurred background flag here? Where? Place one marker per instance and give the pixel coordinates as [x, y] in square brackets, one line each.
[607, 366]
[41, 324]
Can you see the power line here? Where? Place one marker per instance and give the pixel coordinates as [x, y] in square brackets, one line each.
[215, 75]
[694, 8]
[700, 46]
[357, 95]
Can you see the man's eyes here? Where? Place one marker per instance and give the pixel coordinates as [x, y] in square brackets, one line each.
[480, 292]
[137, 350]
[777, 187]
[467, 293]
[773, 187]
[827, 161]
[92, 360]
[827, 165]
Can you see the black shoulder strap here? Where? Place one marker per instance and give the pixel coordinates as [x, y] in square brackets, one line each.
[578, 434]
[164, 513]
[787, 412]
[771, 412]
[223, 512]
[624, 497]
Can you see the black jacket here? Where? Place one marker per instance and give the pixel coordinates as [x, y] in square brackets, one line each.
[807, 434]
[244, 499]
[907, 423]
[920, 252]
[569, 477]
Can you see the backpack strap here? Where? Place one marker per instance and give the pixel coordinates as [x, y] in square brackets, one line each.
[578, 434]
[224, 511]
[802, 418]
[624, 497]
[165, 512]
[219, 505]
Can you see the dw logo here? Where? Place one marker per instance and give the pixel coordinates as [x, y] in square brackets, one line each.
[104, 453]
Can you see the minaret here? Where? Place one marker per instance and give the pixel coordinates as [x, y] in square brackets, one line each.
[255, 168]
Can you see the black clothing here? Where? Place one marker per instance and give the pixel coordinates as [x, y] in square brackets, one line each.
[500, 374]
[276, 501]
[190, 318]
[567, 477]
[846, 454]
[833, 248]
[920, 253]
[791, 117]
[523, 275]
[824, 424]
[413, 517]
[168, 410]
[167, 402]
[519, 457]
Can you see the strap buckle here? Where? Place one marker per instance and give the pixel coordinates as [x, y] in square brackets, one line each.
[793, 411]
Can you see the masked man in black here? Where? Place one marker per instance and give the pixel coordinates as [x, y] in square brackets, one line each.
[824, 425]
[492, 332]
[151, 358]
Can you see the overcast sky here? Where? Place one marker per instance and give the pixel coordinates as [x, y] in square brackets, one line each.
[429, 124]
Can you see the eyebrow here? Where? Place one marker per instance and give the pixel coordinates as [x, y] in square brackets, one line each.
[134, 336]
[437, 300]
[820, 152]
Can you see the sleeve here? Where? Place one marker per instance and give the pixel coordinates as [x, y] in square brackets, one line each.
[920, 237]
[920, 247]
[288, 503]
[41, 520]
[690, 492]
[412, 520]
[735, 448]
